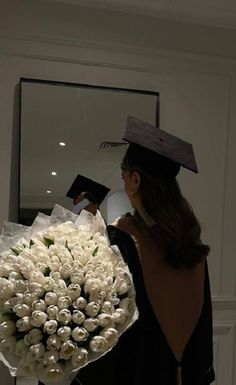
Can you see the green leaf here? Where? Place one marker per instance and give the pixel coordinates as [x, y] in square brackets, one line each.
[47, 272]
[48, 242]
[15, 251]
[31, 243]
[95, 251]
[67, 246]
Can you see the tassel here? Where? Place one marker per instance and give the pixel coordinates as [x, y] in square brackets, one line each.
[179, 375]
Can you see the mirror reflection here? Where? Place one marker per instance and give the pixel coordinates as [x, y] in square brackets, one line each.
[62, 128]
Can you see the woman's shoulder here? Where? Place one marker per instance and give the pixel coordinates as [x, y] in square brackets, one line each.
[126, 224]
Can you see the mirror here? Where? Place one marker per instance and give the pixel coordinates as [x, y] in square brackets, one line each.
[80, 116]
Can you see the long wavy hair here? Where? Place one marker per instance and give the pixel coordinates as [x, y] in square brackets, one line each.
[176, 226]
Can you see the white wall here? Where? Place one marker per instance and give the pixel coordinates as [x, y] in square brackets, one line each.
[117, 205]
[197, 102]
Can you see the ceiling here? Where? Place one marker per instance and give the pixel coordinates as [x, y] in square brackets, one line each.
[219, 13]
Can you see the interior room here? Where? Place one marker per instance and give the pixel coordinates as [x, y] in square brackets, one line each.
[71, 71]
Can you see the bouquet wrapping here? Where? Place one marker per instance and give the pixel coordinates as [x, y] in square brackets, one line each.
[66, 296]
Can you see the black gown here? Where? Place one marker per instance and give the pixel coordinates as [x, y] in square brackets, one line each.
[142, 354]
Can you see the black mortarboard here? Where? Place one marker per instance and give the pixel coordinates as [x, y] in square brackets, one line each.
[156, 151]
[83, 184]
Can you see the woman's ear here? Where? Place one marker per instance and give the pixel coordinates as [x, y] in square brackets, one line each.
[135, 180]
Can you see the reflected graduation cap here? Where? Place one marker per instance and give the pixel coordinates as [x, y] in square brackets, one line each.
[156, 151]
[83, 184]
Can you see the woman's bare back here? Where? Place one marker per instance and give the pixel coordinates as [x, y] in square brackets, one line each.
[176, 295]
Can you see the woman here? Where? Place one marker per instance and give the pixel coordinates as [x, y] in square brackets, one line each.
[171, 342]
[87, 195]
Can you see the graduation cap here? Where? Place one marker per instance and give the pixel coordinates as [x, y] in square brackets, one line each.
[82, 184]
[155, 151]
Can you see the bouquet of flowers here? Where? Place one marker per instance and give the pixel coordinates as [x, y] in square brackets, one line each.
[66, 296]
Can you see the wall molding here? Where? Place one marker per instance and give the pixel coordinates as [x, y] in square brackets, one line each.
[223, 327]
[224, 303]
[93, 52]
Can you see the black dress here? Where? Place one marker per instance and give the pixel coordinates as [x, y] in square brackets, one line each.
[143, 355]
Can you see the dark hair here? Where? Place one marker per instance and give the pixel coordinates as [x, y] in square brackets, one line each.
[177, 228]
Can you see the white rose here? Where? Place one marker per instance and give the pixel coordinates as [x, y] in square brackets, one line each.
[79, 334]
[53, 342]
[21, 349]
[107, 307]
[3, 282]
[8, 290]
[91, 324]
[93, 285]
[22, 310]
[55, 259]
[119, 316]
[78, 317]
[66, 259]
[52, 373]
[91, 275]
[80, 303]
[27, 271]
[92, 309]
[39, 305]
[78, 268]
[64, 333]
[77, 278]
[98, 344]
[122, 285]
[7, 346]
[111, 336]
[98, 297]
[20, 286]
[77, 253]
[50, 357]
[28, 297]
[38, 318]
[24, 324]
[41, 251]
[112, 297]
[105, 320]
[54, 266]
[5, 270]
[56, 276]
[64, 302]
[7, 329]
[50, 327]
[52, 312]
[38, 277]
[64, 316]
[67, 350]
[42, 267]
[33, 337]
[14, 276]
[61, 288]
[17, 300]
[36, 352]
[74, 291]
[50, 298]
[79, 357]
[36, 288]
[66, 270]
[49, 284]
